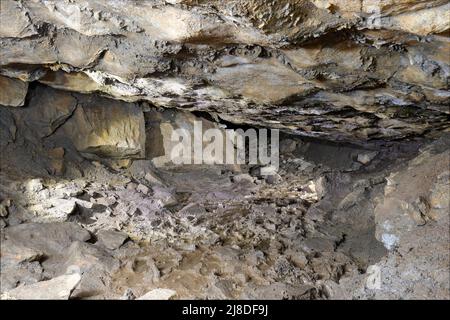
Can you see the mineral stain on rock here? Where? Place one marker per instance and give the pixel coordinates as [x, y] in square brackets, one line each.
[92, 206]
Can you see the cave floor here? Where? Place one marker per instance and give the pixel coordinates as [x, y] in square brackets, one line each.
[210, 232]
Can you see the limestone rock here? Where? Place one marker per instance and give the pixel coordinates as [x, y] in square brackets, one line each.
[365, 158]
[107, 128]
[48, 238]
[59, 288]
[12, 92]
[112, 239]
[94, 125]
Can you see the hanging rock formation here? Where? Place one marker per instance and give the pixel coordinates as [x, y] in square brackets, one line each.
[344, 70]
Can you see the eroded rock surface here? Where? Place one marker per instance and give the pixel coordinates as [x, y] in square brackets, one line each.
[344, 70]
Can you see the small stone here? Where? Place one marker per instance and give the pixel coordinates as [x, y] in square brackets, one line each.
[273, 178]
[34, 185]
[244, 177]
[4, 208]
[153, 179]
[106, 201]
[63, 206]
[158, 294]
[365, 158]
[111, 239]
[164, 196]
[298, 259]
[142, 189]
[268, 170]
[131, 186]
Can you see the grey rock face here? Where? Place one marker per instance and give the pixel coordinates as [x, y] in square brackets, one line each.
[51, 238]
[112, 239]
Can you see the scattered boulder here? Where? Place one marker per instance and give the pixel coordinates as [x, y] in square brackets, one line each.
[59, 288]
[142, 189]
[48, 238]
[111, 239]
[164, 195]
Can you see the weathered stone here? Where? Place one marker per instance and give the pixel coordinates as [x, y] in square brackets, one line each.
[142, 189]
[107, 128]
[161, 144]
[112, 81]
[365, 158]
[12, 92]
[164, 195]
[59, 288]
[111, 239]
[49, 238]
[94, 125]
[243, 178]
[34, 185]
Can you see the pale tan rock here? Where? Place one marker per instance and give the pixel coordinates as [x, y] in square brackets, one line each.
[107, 128]
[12, 92]
[365, 158]
[15, 20]
[58, 288]
[143, 189]
[425, 21]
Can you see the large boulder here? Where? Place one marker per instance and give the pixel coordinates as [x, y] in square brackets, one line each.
[59, 288]
[92, 124]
